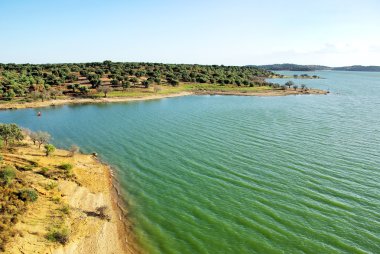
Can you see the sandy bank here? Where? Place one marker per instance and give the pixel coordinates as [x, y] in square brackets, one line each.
[49, 103]
[90, 188]
[39, 104]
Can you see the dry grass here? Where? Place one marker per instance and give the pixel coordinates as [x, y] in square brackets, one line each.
[67, 187]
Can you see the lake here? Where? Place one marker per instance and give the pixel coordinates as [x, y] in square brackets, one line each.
[230, 174]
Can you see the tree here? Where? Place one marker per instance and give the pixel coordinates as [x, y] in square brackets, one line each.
[157, 81]
[49, 149]
[54, 93]
[10, 133]
[295, 87]
[146, 83]
[95, 83]
[173, 82]
[44, 95]
[126, 84]
[289, 84]
[34, 137]
[76, 86]
[42, 138]
[157, 89]
[303, 86]
[72, 87]
[115, 82]
[105, 90]
[83, 89]
[134, 81]
[73, 150]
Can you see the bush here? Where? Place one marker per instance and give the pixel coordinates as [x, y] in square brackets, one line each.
[58, 235]
[29, 195]
[24, 168]
[49, 149]
[7, 174]
[65, 209]
[66, 166]
[46, 172]
[50, 185]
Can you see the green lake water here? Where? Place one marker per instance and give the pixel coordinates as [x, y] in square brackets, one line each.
[229, 174]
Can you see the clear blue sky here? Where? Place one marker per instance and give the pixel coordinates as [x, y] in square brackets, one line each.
[234, 32]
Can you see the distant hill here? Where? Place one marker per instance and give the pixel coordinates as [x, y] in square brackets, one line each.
[297, 67]
[293, 67]
[357, 68]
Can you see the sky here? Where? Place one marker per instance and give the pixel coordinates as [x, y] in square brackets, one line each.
[229, 32]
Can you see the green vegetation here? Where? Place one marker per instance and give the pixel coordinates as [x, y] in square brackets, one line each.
[49, 149]
[14, 196]
[7, 174]
[18, 184]
[59, 235]
[289, 84]
[297, 67]
[305, 76]
[66, 166]
[29, 82]
[293, 67]
[10, 133]
[65, 208]
[28, 195]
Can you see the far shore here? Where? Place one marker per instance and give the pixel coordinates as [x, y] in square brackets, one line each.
[67, 101]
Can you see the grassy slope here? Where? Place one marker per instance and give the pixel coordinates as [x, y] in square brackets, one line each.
[67, 201]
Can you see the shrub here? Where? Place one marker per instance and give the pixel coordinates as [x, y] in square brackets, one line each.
[50, 185]
[65, 209]
[24, 168]
[49, 149]
[58, 235]
[44, 171]
[56, 199]
[29, 195]
[66, 166]
[7, 174]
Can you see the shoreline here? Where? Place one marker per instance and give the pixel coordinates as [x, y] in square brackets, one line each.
[124, 224]
[74, 101]
[120, 209]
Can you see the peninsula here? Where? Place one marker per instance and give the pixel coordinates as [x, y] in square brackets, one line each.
[27, 85]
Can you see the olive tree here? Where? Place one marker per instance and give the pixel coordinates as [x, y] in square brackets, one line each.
[105, 90]
[10, 133]
[289, 84]
[41, 138]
